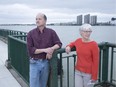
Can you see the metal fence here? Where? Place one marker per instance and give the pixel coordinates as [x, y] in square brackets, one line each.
[17, 55]
[4, 33]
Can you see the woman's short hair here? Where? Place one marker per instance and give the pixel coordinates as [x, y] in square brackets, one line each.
[85, 27]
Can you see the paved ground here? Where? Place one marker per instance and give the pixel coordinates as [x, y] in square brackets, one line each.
[6, 78]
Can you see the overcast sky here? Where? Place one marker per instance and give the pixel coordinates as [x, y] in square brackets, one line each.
[24, 11]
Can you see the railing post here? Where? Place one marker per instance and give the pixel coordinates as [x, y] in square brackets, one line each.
[105, 63]
[8, 61]
[111, 64]
[53, 78]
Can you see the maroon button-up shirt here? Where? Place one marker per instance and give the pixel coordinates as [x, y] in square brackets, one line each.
[38, 40]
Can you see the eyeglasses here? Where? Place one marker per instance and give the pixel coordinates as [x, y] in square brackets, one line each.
[86, 31]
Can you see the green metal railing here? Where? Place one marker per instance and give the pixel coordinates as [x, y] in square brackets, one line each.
[106, 67]
[4, 33]
[67, 67]
[17, 55]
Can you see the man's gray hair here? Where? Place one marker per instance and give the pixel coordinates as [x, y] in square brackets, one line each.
[85, 27]
[44, 16]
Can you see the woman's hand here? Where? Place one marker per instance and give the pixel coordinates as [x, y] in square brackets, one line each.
[67, 49]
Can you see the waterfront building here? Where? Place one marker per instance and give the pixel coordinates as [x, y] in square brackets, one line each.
[93, 20]
[79, 19]
[87, 18]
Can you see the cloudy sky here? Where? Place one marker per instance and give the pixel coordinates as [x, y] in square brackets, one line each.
[24, 11]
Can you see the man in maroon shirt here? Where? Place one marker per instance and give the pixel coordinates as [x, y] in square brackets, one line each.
[41, 43]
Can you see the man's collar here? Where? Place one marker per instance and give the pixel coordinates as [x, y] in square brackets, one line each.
[42, 30]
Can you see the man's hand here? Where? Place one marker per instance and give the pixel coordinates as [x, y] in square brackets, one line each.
[48, 56]
[49, 51]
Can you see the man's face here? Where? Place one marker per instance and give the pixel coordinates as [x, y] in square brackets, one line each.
[40, 21]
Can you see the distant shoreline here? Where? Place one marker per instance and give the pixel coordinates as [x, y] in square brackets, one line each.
[55, 25]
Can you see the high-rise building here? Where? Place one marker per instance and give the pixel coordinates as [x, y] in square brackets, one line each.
[87, 18]
[79, 20]
[93, 20]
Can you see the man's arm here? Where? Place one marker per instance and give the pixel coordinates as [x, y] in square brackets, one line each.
[49, 50]
[55, 47]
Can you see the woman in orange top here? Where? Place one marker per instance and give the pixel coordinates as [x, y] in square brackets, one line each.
[86, 69]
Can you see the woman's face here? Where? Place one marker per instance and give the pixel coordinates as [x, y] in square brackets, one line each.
[85, 33]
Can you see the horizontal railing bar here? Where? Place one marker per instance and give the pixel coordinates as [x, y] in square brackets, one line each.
[114, 80]
[107, 44]
[21, 41]
[63, 50]
[12, 30]
[69, 56]
[19, 35]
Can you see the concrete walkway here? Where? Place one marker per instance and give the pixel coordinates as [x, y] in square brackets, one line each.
[6, 78]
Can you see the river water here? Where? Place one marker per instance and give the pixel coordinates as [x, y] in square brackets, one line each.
[70, 33]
